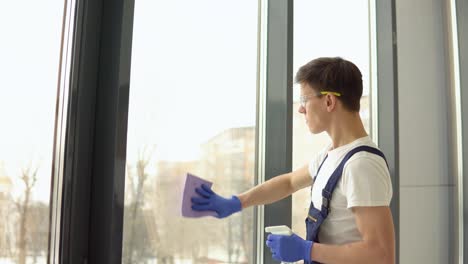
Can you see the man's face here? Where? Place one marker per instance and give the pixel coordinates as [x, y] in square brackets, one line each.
[313, 106]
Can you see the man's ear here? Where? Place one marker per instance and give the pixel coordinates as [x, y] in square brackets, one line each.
[331, 102]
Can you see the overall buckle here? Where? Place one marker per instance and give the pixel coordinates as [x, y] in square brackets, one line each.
[326, 198]
[326, 205]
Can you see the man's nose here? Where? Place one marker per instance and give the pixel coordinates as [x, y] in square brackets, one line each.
[301, 109]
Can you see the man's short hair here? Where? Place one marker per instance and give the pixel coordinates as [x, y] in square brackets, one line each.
[335, 75]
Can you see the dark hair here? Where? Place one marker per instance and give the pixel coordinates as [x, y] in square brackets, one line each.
[335, 75]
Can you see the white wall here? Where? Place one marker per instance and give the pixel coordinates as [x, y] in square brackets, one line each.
[423, 89]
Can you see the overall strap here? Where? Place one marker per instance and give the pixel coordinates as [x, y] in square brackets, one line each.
[316, 174]
[333, 181]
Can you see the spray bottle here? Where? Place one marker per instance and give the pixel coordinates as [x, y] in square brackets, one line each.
[279, 230]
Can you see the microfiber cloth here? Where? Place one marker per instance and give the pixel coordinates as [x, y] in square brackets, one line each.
[192, 182]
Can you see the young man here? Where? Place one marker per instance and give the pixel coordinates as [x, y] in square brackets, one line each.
[349, 218]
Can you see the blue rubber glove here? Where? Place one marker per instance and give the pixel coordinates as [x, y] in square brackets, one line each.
[289, 248]
[210, 201]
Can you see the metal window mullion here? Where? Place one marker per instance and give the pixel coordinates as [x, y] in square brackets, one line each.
[277, 115]
[60, 133]
[455, 155]
[460, 27]
[387, 100]
[262, 38]
[75, 218]
[111, 120]
[93, 135]
[373, 69]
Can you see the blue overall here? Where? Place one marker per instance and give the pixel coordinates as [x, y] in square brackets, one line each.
[316, 217]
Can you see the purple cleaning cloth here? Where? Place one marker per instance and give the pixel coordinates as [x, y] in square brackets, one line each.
[192, 182]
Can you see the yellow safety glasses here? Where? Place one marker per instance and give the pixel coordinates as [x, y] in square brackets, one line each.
[303, 99]
[328, 92]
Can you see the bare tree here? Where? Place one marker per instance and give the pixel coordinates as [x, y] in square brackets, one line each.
[29, 178]
[38, 221]
[6, 227]
[137, 241]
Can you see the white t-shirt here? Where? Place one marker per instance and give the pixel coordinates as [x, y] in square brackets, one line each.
[365, 182]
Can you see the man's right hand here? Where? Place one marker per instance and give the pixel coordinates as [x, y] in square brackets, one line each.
[210, 201]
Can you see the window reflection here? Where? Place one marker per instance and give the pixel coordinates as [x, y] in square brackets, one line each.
[192, 109]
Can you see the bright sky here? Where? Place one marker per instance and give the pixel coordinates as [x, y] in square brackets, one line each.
[193, 71]
[194, 78]
[29, 58]
[332, 28]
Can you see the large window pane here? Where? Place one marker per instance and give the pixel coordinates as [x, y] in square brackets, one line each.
[192, 109]
[29, 61]
[326, 29]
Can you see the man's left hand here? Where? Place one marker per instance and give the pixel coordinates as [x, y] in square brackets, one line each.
[289, 248]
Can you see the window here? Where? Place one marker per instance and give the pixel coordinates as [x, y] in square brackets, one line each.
[29, 63]
[326, 29]
[192, 109]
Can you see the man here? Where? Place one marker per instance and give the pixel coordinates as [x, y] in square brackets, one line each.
[349, 219]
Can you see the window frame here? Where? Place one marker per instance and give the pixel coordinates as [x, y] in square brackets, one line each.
[459, 52]
[94, 153]
[387, 100]
[93, 173]
[274, 118]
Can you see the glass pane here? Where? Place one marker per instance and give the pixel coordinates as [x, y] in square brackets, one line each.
[29, 52]
[192, 109]
[320, 31]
